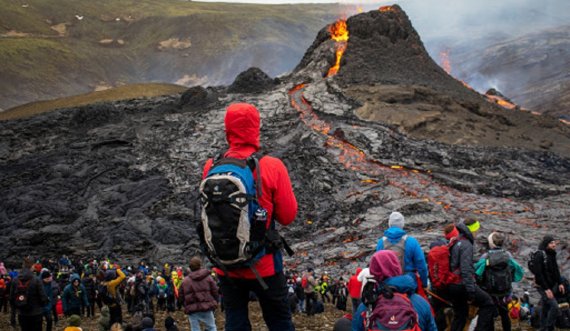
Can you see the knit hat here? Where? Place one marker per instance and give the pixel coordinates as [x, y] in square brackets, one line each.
[147, 323]
[45, 274]
[74, 320]
[396, 220]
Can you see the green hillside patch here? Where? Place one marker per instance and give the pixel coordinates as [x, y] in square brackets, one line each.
[120, 93]
[33, 58]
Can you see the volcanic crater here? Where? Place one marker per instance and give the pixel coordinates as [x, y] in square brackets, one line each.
[390, 131]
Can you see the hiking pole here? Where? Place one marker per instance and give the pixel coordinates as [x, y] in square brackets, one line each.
[438, 297]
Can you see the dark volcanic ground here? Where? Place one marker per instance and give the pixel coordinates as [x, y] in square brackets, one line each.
[120, 178]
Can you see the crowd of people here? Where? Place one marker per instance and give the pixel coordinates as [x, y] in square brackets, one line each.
[76, 289]
[243, 195]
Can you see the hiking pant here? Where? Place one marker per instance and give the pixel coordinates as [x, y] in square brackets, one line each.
[310, 299]
[206, 317]
[49, 322]
[549, 312]
[115, 314]
[273, 301]
[73, 311]
[30, 323]
[355, 304]
[503, 309]
[439, 307]
[457, 294]
[4, 303]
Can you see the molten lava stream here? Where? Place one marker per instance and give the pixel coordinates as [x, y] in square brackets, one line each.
[339, 33]
[412, 182]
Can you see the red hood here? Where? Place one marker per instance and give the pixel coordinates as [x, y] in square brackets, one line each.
[242, 126]
[358, 270]
[385, 264]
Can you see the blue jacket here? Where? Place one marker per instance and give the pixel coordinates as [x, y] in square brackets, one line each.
[402, 284]
[74, 298]
[414, 259]
[49, 292]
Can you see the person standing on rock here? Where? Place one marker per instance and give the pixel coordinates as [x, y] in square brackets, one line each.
[28, 297]
[110, 280]
[74, 296]
[199, 294]
[467, 292]
[497, 270]
[548, 281]
[310, 293]
[355, 289]
[408, 249]
[242, 125]
[48, 284]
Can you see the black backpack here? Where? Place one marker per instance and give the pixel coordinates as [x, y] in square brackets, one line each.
[536, 258]
[498, 276]
[233, 227]
[21, 294]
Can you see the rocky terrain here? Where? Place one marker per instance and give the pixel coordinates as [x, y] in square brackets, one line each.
[119, 179]
[528, 69]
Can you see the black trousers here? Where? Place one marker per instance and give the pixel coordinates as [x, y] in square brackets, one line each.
[310, 299]
[503, 309]
[457, 294]
[30, 323]
[273, 301]
[49, 321]
[115, 314]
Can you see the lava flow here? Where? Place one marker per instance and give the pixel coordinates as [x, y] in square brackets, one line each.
[444, 59]
[414, 183]
[339, 33]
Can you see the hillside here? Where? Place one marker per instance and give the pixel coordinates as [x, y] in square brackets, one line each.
[51, 49]
[531, 70]
[113, 94]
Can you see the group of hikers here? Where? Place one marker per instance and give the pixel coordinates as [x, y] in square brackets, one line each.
[44, 292]
[243, 196]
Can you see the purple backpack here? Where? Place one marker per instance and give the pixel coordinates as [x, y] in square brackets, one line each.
[392, 313]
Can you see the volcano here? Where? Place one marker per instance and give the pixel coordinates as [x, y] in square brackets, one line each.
[389, 131]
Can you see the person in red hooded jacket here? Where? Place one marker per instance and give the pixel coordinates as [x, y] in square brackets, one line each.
[354, 289]
[242, 124]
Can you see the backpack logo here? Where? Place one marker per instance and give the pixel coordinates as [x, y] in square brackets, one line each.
[21, 295]
[390, 310]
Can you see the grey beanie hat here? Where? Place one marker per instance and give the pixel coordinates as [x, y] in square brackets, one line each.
[396, 220]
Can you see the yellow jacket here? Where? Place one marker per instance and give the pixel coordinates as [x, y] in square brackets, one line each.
[112, 285]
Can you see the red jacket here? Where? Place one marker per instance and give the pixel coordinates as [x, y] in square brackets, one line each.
[242, 133]
[354, 286]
